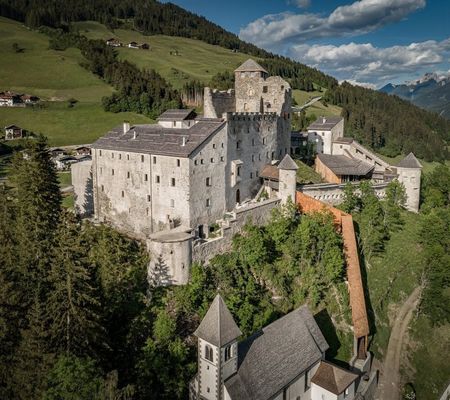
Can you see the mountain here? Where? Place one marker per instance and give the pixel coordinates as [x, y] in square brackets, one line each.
[431, 91]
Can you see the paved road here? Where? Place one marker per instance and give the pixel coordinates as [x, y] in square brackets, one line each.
[312, 101]
[389, 385]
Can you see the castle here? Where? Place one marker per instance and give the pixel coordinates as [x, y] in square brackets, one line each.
[188, 183]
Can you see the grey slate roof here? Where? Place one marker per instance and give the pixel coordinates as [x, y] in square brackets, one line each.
[177, 115]
[288, 163]
[342, 165]
[333, 378]
[273, 357]
[325, 123]
[410, 161]
[154, 139]
[250, 66]
[218, 326]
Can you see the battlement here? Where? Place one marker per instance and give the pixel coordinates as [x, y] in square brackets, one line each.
[221, 93]
[251, 116]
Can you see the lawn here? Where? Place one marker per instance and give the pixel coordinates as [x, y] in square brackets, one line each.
[81, 124]
[306, 174]
[302, 97]
[65, 179]
[194, 60]
[57, 76]
[318, 109]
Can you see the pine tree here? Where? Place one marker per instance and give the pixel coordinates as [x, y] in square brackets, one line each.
[38, 206]
[72, 303]
[394, 202]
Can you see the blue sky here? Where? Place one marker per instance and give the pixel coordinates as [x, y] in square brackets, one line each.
[367, 41]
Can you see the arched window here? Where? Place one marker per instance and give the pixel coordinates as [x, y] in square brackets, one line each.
[209, 353]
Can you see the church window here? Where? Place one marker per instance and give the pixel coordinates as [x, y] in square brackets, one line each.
[157, 179]
[172, 182]
[128, 174]
[172, 203]
[265, 89]
[178, 162]
[209, 353]
[146, 178]
[154, 160]
[227, 353]
[208, 202]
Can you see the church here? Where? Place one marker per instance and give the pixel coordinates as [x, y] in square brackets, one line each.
[283, 361]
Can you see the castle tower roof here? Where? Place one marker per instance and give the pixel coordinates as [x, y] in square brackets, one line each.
[410, 161]
[288, 163]
[250, 66]
[218, 326]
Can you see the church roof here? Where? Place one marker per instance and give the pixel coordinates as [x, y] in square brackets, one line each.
[250, 66]
[273, 357]
[332, 378]
[218, 326]
[288, 163]
[410, 161]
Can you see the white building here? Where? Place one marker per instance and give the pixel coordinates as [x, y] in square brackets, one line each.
[283, 361]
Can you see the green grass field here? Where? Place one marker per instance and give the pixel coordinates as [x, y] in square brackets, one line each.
[54, 76]
[195, 59]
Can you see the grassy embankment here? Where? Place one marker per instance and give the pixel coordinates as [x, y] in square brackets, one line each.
[55, 76]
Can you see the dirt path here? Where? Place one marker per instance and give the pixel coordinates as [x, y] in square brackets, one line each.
[389, 385]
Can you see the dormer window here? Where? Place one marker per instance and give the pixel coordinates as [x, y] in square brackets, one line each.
[209, 355]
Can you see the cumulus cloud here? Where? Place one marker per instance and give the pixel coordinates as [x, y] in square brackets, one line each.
[367, 85]
[367, 63]
[357, 18]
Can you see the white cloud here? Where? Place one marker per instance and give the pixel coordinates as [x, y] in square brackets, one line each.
[357, 18]
[362, 84]
[300, 3]
[367, 63]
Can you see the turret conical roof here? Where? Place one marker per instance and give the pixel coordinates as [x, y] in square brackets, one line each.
[288, 163]
[218, 326]
[250, 66]
[410, 161]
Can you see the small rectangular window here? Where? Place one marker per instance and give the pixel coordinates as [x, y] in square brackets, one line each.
[172, 203]
[128, 174]
[265, 89]
[101, 170]
[172, 182]
[146, 178]
[154, 160]
[214, 145]
[112, 171]
[149, 197]
[208, 202]
[178, 162]
[100, 153]
[253, 142]
[112, 155]
[212, 160]
[201, 161]
[103, 188]
[157, 179]
[123, 193]
[221, 158]
[208, 181]
[307, 380]
[195, 162]
[264, 140]
[120, 156]
[128, 157]
[221, 145]
[253, 158]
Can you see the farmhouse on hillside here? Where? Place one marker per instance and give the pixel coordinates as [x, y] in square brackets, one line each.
[14, 132]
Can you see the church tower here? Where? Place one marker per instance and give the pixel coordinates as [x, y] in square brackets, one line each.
[217, 350]
[287, 179]
[409, 173]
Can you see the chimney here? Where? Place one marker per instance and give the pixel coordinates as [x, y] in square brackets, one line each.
[126, 126]
[134, 135]
[324, 120]
[184, 141]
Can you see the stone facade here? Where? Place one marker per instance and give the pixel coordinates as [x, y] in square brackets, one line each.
[82, 186]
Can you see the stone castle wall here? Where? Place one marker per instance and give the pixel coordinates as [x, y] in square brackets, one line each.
[216, 103]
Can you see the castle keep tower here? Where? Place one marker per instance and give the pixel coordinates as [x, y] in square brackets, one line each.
[409, 172]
